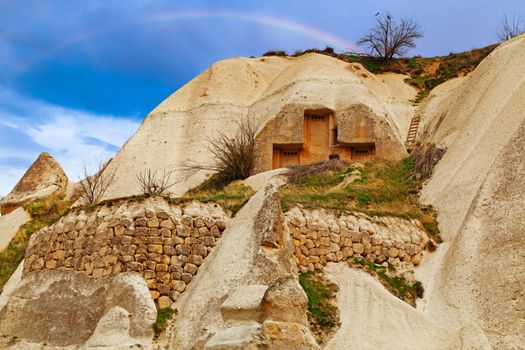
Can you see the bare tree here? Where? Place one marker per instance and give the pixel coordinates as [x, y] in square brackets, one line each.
[93, 187]
[510, 27]
[153, 183]
[235, 157]
[389, 38]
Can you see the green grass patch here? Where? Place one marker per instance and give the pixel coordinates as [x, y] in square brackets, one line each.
[383, 188]
[397, 285]
[231, 197]
[425, 73]
[43, 212]
[320, 294]
[163, 316]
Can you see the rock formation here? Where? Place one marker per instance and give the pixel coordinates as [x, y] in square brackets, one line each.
[165, 244]
[96, 277]
[9, 225]
[43, 178]
[66, 308]
[276, 94]
[320, 237]
[479, 189]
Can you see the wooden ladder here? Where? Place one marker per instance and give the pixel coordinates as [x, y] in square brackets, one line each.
[412, 133]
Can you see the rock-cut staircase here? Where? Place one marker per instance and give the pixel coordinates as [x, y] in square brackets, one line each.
[412, 133]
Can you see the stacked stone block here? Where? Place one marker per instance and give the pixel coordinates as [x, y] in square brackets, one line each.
[320, 237]
[165, 244]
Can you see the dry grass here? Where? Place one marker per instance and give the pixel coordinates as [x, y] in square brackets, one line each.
[382, 188]
[425, 158]
[43, 212]
[234, 156]
[422, 70]
[393, 281]
[231, 197]
[298, 171]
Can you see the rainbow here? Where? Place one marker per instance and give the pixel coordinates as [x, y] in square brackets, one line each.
[265, 20]
[170, 16]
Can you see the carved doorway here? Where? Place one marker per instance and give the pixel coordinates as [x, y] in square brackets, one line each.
[316, 138]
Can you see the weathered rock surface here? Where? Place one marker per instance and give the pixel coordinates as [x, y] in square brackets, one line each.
[9, 225]
[479, 190]
[245, 303]
[44, 177]
[67, 308]
[287, 335]
[11, 285]
[258, 181]
[285, 301]
[228, 304]
[259, 89]
[244, 336]
[372, 318]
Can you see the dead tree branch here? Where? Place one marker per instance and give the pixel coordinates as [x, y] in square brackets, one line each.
[154, 183]
[510, 27]
[389, 38]
[93, 187]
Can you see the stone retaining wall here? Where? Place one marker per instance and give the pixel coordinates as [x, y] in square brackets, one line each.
[320, 237]
[166, 244]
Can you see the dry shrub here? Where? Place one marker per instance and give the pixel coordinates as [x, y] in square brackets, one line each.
[298, 171]
[43, 211]
[93, 187]
[275, 53]
[153, 183]
[235, 157]
[424, 159]
[510, 27]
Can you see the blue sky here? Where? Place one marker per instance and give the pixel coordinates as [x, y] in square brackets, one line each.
[77, 77]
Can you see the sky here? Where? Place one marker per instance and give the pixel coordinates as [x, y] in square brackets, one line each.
[78, 77]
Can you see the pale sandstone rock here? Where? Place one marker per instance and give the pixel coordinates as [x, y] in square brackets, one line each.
[244, 304]
[240, 337]
[43, 178]
[10, 224]
[256, 237]
[11, 285]
[113, 331]
[193, 211]
[257, 182]
[285, 301]
[288, 335]
[366, 307]
[164, 302]
[76, 305]
[478, 190]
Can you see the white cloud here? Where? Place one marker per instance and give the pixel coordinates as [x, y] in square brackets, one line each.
[71, 136]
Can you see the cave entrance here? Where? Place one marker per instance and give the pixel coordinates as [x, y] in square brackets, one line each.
[285, 156]
[363, 152]
[317, 137]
